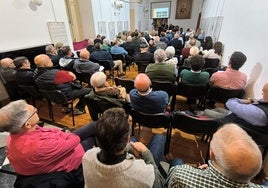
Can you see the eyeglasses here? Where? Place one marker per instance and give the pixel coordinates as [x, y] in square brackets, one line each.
[35, 111]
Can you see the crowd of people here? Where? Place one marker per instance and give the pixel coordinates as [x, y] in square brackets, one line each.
[102, 153]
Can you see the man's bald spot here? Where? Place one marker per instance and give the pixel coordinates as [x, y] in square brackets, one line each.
[42, 60]
[7, 63]
[84, 54]
[142, 82]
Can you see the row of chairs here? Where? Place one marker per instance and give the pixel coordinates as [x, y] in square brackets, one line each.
[51, 96]
[190, 91]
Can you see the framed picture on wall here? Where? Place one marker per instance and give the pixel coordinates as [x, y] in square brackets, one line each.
[184, 9]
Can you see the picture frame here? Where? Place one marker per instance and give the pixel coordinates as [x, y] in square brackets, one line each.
[183, 9]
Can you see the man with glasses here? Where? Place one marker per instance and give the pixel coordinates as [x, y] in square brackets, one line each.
[34, 150]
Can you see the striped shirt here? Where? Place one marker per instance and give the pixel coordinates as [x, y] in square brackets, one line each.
[190, 177]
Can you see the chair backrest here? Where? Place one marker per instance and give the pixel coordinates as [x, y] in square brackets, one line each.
[211, 63]
[192, 91]
[142, 66]
[56, 96]
[194, 125]
[168, 87]
[222, 95]
[104, 63]
[210, 70]
[159, 120]
[126, 83]
[99, 105]
[118, 57]
[30, 90]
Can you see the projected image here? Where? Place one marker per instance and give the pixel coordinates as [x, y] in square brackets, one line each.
[161, 13]
[160, 9]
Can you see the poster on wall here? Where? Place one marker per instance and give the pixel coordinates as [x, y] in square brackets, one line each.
[184, 9]
[212, 27]
[57, 32]
[119, 26]
[126, 26]
[111, 27]
[102, 28]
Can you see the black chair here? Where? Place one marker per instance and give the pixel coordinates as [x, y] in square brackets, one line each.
[120, 57]
[194, 125]
[193, 91]
[159, 120]
[168, 87]
[83, 77]
[142, 65]
[107, 67]
[57, 97]
[98, 104]
[211, 63]
[222, 95]
[126, 83]
[31, 91]
[210, 71]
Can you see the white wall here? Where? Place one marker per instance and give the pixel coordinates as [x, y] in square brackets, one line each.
[24, 25]
[184, 23]
[244, 29]
[106, 11]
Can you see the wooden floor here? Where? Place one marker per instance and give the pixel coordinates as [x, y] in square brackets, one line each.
[185, 146]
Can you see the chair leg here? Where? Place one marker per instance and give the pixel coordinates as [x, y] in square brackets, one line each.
[72, 107]
[50, 110]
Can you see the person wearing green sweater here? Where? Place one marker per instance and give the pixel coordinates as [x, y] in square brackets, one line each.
[195, 76]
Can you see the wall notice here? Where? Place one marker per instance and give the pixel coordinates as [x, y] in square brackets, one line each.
[57, 32]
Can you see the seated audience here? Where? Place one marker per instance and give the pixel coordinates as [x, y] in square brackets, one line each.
[8, 77]
[128, 45]
[48, 78]
[115, 163]
[231, 78]
[58, 47]
[106, 45]
[163, 38]
[185, 52]
[100, 54]
[170, 52]
[118, 50]
[234, 160]
[215, 52]
[67, 61]
[102, 87]
[160, 70]
[159, 44]
[144, 56]
[98, 39]
[91, 46]
[247, 112]
[83, 65]
[52, 53]
[152, 46]
[193, 51]
[34, 150]
[144, 99]
[24, 74]
[191, 37]
[176, 42]
[208, 44]
[195, 76]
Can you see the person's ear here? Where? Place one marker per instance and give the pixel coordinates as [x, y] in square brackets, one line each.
[211, 155]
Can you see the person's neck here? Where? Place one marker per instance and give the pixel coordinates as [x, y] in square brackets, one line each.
[111, 159]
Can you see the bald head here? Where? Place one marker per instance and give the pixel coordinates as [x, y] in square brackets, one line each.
[43, 60]
[84, 54]
[142, 82]
[7, 63]
[129, 39]
[235, 154]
